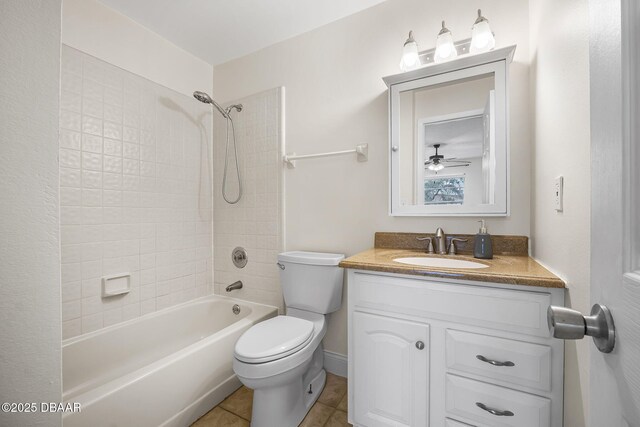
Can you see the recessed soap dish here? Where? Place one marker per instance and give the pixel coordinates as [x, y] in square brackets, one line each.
[118, 284]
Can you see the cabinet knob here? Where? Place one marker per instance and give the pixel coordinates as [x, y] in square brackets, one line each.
[419, 345]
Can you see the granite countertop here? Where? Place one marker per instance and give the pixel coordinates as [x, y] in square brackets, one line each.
[506, 268]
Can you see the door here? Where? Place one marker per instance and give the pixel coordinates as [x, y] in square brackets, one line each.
[615, 226]
[391, 369]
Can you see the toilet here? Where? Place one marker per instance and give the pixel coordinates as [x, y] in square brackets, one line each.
[282, 358]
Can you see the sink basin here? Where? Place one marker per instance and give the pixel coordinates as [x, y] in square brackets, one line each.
[440, 262]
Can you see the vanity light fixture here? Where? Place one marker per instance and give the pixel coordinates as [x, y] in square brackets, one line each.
[410, 59]
[445, 48]
[482, 39]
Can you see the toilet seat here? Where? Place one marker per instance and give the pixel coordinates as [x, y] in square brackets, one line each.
[273, 339]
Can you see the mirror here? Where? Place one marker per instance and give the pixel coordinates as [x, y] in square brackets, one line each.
[449, 146]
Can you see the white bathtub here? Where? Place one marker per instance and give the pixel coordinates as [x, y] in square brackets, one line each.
[163, 369]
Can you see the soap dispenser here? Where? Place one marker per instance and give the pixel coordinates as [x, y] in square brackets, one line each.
[483, 248]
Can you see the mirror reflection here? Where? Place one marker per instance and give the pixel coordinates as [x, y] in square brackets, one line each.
[447, 143]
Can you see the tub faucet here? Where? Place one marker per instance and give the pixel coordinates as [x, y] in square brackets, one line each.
[234, 286]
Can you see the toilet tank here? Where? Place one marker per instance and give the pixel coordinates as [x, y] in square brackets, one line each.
[311, 281]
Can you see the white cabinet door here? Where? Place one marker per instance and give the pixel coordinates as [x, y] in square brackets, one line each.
[391, 369]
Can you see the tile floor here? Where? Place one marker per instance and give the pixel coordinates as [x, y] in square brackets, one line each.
[329, 411]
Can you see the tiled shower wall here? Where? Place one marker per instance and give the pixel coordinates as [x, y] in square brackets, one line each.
[255, 222]
[135, 193]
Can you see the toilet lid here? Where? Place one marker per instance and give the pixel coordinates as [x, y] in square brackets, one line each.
[273, 339]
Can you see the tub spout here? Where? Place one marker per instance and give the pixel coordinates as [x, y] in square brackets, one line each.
[234, 286]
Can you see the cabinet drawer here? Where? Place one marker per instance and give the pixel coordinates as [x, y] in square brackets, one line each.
[527, 364]
[448, 422]
[503, 309]
[464, 397]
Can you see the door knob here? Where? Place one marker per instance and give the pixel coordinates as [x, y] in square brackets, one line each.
[567, 324]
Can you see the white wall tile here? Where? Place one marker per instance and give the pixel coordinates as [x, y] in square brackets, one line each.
[92, 197]
[91, 143]
[91, 161]
[70, 158]
[70, 120]
[71, 272]
[92, 251]
[91, 179]
[70, 139]
[91, 323]
[71, 291]
[91, 125]
[111, 203]
[70, 177]
[71, 328]
[70, 310]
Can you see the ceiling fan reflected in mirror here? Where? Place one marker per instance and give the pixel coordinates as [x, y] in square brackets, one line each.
[437, 162]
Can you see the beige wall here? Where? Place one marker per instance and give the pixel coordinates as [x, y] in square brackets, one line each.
[30, 367]
[560, 104]
[336, 99]
[98, 30]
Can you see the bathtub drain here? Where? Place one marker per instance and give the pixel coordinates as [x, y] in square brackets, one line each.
[236, 309]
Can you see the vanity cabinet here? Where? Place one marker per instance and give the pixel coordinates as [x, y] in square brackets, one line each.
[393, 365]
[437, 352]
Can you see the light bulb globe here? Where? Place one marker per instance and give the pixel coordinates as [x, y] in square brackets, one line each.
[482, 39]
[410, 59]
[445, 47]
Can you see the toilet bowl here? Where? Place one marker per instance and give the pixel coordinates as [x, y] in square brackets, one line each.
[282, 358]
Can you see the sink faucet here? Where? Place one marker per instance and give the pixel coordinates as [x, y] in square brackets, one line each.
[234, 286]
[429, 243]
[452, 244]
[440, 242]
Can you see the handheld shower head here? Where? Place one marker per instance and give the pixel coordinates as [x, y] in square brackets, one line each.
[203, 97]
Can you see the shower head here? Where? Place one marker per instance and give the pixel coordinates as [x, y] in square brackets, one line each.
[203, 97]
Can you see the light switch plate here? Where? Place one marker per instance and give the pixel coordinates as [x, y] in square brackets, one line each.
[557, 193]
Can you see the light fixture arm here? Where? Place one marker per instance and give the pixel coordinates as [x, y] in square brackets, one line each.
[444, 29]
[410, 39]
[480, 18]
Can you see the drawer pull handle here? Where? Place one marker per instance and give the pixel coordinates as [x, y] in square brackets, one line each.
[494, 362]
[496, 412]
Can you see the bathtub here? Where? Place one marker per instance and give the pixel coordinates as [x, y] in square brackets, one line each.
[163, 369]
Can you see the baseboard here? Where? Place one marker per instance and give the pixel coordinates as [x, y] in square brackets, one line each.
[335, 363]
